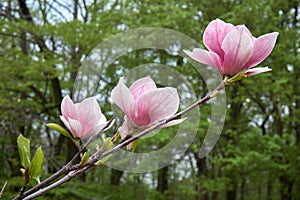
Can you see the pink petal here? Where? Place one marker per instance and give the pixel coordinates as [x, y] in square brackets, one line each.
[89, 113]
[68, 108]
[214, 35]
[123, 98]
[238, 47]
[141, 85]
[103, 120]
[91, 131]
[263, 46]
[205, 57]
[247, 31]
[158, 104]
[201, 56]
[125, 128]
[96, 127]
[75, 128]
[257, 70]
[66, 123]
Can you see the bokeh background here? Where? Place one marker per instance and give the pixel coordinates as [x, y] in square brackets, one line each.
[43, 43]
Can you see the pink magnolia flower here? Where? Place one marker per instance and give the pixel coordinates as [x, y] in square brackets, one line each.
[144, 104]
[232, 49]
[82, 119]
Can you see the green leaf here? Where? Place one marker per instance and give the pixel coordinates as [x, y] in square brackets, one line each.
[103, 160]
[59, 129]
[107, 143]
[85, 158]
[24, 150]
[134, 145]
[239, 76]
[37, 163]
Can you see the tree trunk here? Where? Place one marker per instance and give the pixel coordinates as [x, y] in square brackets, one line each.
[231, 194]
[269, 190]
[115, 177]
[162, 180]
[286, 187]
[201, 170]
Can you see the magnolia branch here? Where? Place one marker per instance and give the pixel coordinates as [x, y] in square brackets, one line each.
[72, 171]
[65, 169]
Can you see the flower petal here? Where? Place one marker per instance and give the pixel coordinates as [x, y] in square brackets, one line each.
[141, 85]
[257, 70]
[96, 127]
[89, 113]
[66, 123]
[75, 128]
[263, 46]
[157, 105]
[125, 128]
[245, 29]
[238, 48]
[201, 56]
[174, 122]
[205, 57]
[92, 130]
[214, 35]
[123, 98]
[103, 120]
[68, 108]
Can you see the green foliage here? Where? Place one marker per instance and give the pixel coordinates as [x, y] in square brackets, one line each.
[85, 158]
[75, 190]
[32, 168]
[37, 162]
[24, 150]
[59, 129]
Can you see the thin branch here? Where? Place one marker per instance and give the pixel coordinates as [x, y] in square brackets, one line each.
[65, 168]
[66, 178]
[3, 188]
[57, 11]
[85, 16]
[64, 6]
[15, 36]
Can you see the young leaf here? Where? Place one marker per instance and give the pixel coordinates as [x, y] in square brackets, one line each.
[22, 171]
[85, 158]
[59, 129]
[116, 136]
[107, 143]
[24, 150]
[103, 160]
[134, 145]
[37, 163]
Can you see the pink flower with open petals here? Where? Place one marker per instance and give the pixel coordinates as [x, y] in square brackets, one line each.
[144, 104]
[82, 119]
[232, 49]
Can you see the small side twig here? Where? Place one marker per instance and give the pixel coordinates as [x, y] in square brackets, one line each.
[3, 188]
